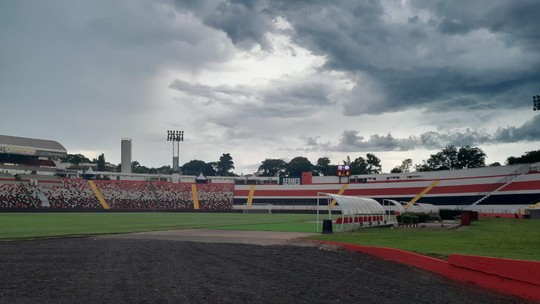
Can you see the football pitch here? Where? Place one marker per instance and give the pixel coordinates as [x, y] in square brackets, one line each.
[507, 238]
[39, 225]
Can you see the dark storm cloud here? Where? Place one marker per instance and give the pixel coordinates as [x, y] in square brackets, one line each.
[412, 63]
[453, 27]
[279, 98]
[306, 93]
[245, 22]
[356, 38]
[490, 61]
[529, 131]
[517, 19]
[351, 141]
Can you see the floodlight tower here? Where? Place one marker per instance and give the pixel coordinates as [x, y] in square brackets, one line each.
[536, 103]
[176, 137]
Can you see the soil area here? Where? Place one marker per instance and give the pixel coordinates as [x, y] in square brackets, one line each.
[139, 270]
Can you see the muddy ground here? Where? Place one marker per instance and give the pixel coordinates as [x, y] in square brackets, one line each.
[124, 270]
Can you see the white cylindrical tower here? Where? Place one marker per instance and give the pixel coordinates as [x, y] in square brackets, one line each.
[126, 156]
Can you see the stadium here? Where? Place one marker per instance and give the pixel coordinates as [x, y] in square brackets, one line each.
[215, 266]
[35, 176]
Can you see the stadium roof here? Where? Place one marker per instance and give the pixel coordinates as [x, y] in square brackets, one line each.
[31, 146]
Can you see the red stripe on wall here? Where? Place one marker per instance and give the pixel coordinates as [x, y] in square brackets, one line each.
[528, 185]
[475, 189]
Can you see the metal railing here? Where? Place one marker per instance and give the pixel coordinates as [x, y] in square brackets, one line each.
[507, 180]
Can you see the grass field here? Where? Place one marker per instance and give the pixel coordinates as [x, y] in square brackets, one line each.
[37, 225]
[509, 238]
[506, 238]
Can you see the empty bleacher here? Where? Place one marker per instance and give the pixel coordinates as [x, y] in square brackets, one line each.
[49, 192]
[127, 194]
[173, 196]
[67, 194]
[215, 196]
[13, 196]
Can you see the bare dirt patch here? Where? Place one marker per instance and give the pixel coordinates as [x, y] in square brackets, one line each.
[217, 236]
[143, 270]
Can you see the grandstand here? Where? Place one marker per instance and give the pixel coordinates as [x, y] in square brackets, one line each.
[32, 178]
[20, 155]
[81, 194]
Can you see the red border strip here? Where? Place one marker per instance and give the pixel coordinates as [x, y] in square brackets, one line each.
[461, 272]
[525, 271]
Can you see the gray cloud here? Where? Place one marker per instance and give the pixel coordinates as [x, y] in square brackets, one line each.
[453, 27]
[245, 22]
[410, 64]
[517, 19]
[529, 131]
[352, 141]
[285, 98]
[82, 72]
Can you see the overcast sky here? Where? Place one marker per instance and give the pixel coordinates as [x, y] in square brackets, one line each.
[272, 79]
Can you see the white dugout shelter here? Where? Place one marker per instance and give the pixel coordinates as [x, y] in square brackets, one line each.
[422, 208]
[356, 211]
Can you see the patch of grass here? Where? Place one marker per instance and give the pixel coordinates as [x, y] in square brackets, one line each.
[505, 238]
[36, 225]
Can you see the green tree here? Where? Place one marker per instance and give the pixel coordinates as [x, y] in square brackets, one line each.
[101, 162]
[443, 160]
[271, 167]
[451, 158]
[527, 158]
[77, 159]
[135, 166]
[359, 166]
[374, 164]
[193, 167]
[405, 166]
[298, 165]
[224, 165]
[369, 165]
[164, 170]
[470, 157]
[323, 167]
[210, 169]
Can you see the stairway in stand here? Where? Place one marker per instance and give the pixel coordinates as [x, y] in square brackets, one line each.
[507, 180]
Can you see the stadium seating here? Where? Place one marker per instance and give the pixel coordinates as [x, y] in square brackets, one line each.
[173, 196]
[127, 194]
[69, 193]
[13, 196]
[215, 196]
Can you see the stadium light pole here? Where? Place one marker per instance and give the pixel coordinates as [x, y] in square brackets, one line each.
[536, 103]
[175, 137]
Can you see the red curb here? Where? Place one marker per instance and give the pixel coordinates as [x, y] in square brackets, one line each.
[504, 282]
[520, 270]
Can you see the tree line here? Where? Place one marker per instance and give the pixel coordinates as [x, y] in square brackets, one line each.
[221, 167]
[449, 158]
